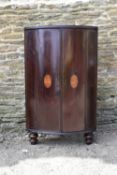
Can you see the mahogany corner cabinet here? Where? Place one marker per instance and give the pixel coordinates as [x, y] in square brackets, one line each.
[60, 80]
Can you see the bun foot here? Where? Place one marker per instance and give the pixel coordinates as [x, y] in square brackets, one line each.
[88, 138]
[33, 137]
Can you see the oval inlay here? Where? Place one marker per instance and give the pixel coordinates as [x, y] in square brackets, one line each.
[47, 81]
[74, 81]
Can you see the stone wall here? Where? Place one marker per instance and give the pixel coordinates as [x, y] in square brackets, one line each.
[15, 15]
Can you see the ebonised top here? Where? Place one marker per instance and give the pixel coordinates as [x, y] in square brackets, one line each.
[61, 27]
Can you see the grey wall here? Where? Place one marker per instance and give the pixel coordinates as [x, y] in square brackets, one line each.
[14, 15]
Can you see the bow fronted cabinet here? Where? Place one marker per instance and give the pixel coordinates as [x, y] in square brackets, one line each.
[60, 80]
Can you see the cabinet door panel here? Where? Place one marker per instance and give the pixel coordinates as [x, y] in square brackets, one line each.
[42, 60]
[73, 94]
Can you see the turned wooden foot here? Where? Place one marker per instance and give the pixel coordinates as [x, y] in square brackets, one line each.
[33, 138]
[88, 138]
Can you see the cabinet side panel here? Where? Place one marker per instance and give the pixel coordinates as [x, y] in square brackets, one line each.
[29, 76]
[91, 74]
[42, 61]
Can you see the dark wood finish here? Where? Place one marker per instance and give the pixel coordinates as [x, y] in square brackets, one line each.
[42, 56]
[61, 27]
[33, 137]
[61, 79]
[73, 64]
[91, 79]
[88, 138]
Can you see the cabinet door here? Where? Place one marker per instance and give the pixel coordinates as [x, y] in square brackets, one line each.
[42, 60]
[73, 94]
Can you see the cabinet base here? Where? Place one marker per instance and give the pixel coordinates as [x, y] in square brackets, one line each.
[33, 135]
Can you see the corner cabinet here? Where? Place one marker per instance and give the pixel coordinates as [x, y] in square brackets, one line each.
[60, 80]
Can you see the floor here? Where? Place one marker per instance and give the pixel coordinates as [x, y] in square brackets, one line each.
[57, 155]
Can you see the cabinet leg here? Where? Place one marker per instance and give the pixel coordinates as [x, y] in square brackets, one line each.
[33, 138]
[88, 138]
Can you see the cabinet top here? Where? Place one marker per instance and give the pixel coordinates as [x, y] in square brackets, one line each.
[61, 27]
